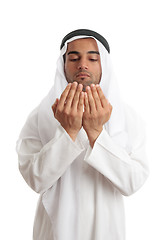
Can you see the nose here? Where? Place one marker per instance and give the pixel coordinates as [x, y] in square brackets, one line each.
[82, 64]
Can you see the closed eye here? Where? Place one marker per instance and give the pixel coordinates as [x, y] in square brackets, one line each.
[93, 60]
[73, 59]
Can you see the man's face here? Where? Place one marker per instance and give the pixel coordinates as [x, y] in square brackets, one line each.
[82, 62]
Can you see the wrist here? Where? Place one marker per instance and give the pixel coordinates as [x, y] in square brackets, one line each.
[93, 135]
[72, 134]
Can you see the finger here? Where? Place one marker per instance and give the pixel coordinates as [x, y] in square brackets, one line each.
[103, 99]
[96, 96]
[64, 96]
[86, 103]
[90, 100]
[71, 94]
[76, 98]
[54, 106]
[81, 102]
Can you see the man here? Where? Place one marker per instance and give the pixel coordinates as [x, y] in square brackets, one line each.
[82, 149]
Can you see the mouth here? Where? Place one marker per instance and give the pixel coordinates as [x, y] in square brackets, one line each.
[82, 75]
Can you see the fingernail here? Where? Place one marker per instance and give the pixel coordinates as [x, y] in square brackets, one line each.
[80, 85]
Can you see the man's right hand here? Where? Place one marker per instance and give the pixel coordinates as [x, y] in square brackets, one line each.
[68, 110]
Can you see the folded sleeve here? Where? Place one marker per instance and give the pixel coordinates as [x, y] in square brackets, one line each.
[126, 171]
[41, 166]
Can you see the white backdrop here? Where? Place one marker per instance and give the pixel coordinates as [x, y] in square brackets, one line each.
[30, 36]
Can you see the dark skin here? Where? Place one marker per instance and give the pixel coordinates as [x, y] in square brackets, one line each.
[75, 108]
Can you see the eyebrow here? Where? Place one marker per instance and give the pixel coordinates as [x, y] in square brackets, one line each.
[89, 52]
[93, 52]
[73, 52]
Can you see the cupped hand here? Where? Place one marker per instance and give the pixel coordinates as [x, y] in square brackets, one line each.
[97, 111]
[68, 110]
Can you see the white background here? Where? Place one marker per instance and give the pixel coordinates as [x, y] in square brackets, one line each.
[30, 36]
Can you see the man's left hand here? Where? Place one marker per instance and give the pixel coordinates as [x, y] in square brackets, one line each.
[97, 111]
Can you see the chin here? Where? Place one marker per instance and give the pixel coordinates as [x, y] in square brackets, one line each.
[84, 83]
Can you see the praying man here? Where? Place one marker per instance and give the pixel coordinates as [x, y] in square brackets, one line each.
[82, 149]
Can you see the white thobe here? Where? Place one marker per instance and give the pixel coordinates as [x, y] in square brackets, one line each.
[81, 189]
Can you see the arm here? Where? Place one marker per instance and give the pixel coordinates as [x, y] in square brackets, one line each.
[41, 166]
[126, 171]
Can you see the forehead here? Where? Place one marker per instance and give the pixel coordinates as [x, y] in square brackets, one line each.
[83, 45]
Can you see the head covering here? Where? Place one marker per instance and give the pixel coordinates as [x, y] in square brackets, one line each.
[86, 32]
[115, 127]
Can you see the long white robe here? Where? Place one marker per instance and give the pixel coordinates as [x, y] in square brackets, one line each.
[81, 189]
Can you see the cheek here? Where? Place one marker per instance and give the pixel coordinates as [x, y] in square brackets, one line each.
[69, 72]
[68, 67]
[65, 67]
[100, 70]
[97, 70]
[98, 73]
[100, 67]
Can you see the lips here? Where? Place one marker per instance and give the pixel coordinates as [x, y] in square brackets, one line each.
[82, 74]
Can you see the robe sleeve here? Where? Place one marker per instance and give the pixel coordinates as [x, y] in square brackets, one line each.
[41, 166]
[126, 171]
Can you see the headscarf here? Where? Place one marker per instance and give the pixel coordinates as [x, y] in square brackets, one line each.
[115, 127]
